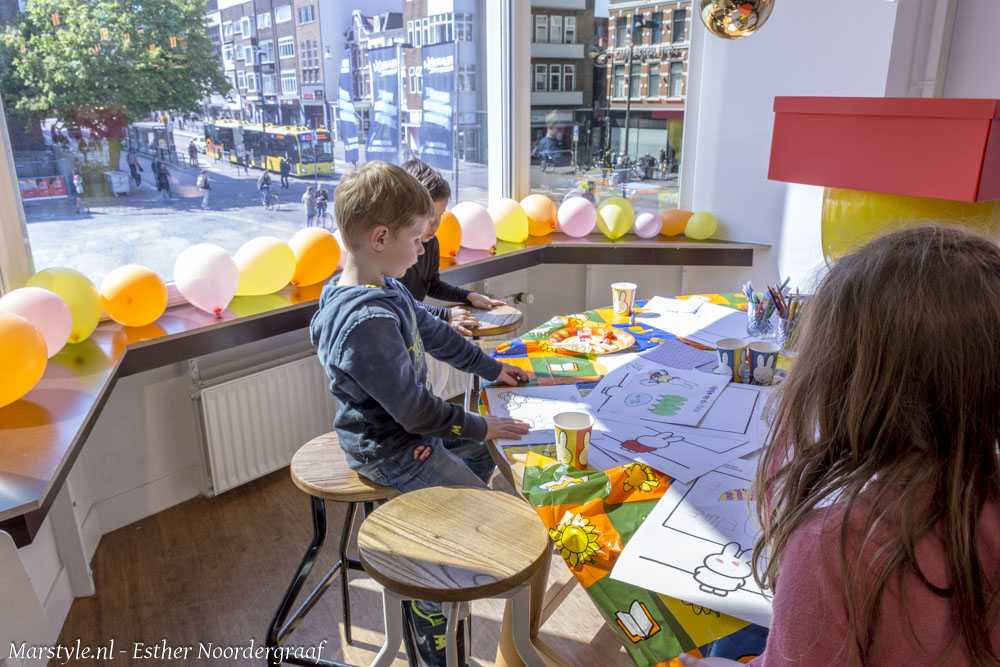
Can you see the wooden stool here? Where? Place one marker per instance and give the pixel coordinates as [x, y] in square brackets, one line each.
[493, 322]
[454, 545]
[320, 469]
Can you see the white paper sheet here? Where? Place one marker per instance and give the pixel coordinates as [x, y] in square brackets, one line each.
[658, 306]
[537, 406]
[706, 325]
[696, 546]
[675, 354]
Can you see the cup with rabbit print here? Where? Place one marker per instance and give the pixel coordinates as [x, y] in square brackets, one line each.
[573, 431]
[763, 362]
[732, 358]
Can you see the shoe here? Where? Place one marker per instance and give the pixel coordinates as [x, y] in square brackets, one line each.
[425, 637]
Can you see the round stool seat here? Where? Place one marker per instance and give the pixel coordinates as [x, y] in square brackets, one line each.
[449, 544]
[495, 321]
[320, 469]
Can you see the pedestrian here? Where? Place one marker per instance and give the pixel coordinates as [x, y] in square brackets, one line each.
[309, 204]
[192, 154]
[155, 166]
[284, 168]
[241, 160]
[132, 160]
[204, 187]
[321, 197]
[163, 182]
[264, 186]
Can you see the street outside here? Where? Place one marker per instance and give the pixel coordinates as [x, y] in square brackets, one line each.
[138, 228]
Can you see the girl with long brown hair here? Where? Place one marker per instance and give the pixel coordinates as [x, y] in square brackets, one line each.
[879, 489]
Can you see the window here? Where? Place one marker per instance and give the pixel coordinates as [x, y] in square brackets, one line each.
[467, 77]
[269, 87]
[288, 82]
[440, 28]
[239, 52]
[619, 88]
[634, 80]
[246, 26]
[213, 33]
[569, 77]
[555, 29]
[541, 28]
[540, 77]
[227, 53]
[227, 29]
[637, 29]
[570, 33]
[678, 24]
[555, 76]
[427, 31]
[237, 28]
[263, 21]
[248, 54]
[620, 31]
[241, 78]
[418, 73]
[251, 79]
[282, 13]
[410, 39]
[464, 27]
[411, 77]
[654, 81]
[657, 36]
[306, 15]
[286, 47]
[676, 79]
[267, 52]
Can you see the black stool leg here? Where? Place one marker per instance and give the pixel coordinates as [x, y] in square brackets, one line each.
[345, 592]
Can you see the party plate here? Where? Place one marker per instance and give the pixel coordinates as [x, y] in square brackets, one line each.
[596, 339]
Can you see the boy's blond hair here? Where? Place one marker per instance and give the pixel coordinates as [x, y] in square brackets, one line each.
[379, 193]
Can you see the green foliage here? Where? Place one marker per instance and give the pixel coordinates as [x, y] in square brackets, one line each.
[86, 61]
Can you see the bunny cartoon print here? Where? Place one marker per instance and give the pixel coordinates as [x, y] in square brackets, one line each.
[763, 361]
[724, 572]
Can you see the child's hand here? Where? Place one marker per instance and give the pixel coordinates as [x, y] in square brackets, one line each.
[505, 427]
[460, 319]
[477, 300]
[511, 375]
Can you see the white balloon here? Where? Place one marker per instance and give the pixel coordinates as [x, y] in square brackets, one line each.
[477, 226]
[46, 310]
[206, 276]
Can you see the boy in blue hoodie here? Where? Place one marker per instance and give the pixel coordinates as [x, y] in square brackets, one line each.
[372, 337]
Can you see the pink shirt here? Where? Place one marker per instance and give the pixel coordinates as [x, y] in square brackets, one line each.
[810, 614]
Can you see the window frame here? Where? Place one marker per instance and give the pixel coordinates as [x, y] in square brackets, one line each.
[264, 21]
[286, 42]
[543, 70]
[555, 74]
[569, 21]
[569, 77]
[552, 29]
[650, 78]
[635, 74]
[683, 24]
[284, 16]
[679, 79]
[541, 23]
[269, 49]
[294, 78]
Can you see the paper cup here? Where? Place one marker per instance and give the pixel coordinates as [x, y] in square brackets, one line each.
[732, 357]
[573, 431]
[622, 297]
[763, 361]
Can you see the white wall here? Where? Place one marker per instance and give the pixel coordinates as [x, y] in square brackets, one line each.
[975, 52]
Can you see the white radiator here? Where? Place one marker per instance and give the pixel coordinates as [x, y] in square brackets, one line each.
[252, 424]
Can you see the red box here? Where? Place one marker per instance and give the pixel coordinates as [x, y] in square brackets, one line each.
[924, 147]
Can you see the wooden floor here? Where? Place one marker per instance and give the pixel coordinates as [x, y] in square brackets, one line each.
[208, 574]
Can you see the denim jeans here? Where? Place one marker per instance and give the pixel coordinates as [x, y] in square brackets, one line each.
[433, 463]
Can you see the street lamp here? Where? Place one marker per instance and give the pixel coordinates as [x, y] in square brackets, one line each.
[636, 24]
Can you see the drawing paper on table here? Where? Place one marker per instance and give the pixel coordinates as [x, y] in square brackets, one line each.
[707, 325]
[646, 391]
[537, 406]
[675, 354]
[659, 306]
[709, 527]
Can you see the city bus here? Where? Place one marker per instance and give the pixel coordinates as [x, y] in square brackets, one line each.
[294, 143]
[222, 137]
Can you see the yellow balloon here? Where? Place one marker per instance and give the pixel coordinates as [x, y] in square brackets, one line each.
[449, 235]
[266, 265]
[701, 226]
[317, 254]
[24, 355]
[133, 295]
[851, 218]
[615, 216]
[509, 220]
[79, 294]
[245, 306]
[541, 212]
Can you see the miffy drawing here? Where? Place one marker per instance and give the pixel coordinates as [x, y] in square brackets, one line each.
[724, 572]
[762, 372]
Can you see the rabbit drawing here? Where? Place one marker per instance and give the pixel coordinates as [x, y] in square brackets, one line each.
[723, 572]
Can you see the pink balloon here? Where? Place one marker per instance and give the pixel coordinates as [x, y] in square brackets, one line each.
[46, 310]
[207, 277]
[477, 226]
[647, 224]
[577, 217]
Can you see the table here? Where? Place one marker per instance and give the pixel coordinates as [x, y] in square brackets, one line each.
[675, 625]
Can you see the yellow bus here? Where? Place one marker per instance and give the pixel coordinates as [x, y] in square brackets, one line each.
[222, 137]
[294, 143]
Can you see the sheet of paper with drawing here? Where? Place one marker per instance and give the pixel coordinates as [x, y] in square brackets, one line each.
[537, 406]
[706, 325]
[696, 546]
[733, 427]
[650, 393]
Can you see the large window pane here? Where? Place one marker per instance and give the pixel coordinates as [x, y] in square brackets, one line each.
[615, 124]
[248, 82]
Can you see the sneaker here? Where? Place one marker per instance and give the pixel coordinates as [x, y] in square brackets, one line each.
[424, 633]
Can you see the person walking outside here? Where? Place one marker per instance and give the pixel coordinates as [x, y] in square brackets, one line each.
[241, 160]
[309, 205]
[192, 154]
[163, 182]
[285, 169]
[321, 196]
[132, 160]
[204, 187]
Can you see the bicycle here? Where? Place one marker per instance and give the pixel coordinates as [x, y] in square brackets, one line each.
[324, 220]
[269, 200]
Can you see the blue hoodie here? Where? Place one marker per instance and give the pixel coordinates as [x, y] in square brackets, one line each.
[371, 340]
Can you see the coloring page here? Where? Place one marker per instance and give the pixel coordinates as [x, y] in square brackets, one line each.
[646, 392]
[696, 546]
[710, 323]
[537, 406]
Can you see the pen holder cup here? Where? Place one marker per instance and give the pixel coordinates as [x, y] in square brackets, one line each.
[759, 327]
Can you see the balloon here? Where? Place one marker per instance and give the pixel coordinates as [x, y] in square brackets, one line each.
[615, 216]
[449, 235]
[49, 313]
[266, 265]
[76, 290]
[577, 217]
[245, 306]
[133, 295]
[206, 276]
[701, 226]
[541, 212]
[509, 220]
[339, 236]
[732, 20]
[648, 223]
[317, 255]
[477, 226]
[23, 350]
[674, 221]
[580, 192]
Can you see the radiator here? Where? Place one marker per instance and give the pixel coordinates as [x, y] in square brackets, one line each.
[253, 423]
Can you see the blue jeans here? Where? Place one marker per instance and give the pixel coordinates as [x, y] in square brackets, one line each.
[454, 463]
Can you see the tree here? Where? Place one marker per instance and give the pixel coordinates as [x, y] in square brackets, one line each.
[105, 63]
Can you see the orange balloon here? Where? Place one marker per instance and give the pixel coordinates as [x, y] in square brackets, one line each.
[133, 295]
[317, 254]
[674, 221]
[541, 212]
[449, 235]
[24, 353]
